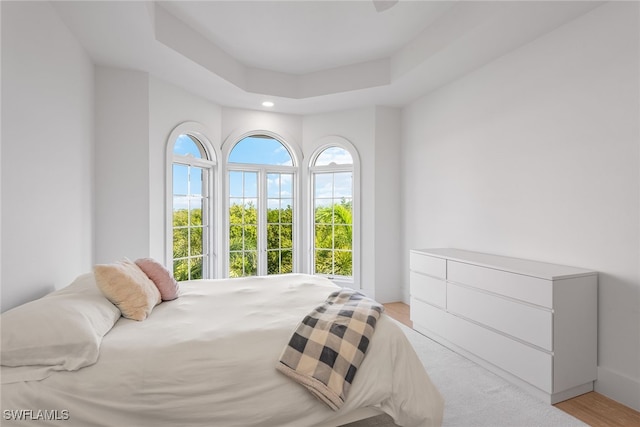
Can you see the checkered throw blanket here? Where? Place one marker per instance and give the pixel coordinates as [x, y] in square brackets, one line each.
[329, 345]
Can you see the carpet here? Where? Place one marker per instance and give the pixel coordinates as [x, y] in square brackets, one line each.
[474, 396]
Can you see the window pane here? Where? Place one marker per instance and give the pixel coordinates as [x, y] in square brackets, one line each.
[286, 185]
[343, 184]
[251, 237]
[235, 238]
[180, 215]
[250, 263]
[236, 211]
[286, 236]
[273, 262]
[180, 179]
[324, 214]
[343, 263]
[342, 212]
[250, 215]
[250, 184]
[273, 236]
[195, 268]
[195, 214]
[286, 204]
[342, 237]
[196, 241]
[236, 264]
[286, 260]
[235, 184]
[187, 145]
[324, 236]
[273, 213]
[324, 262]
[273, 185]
[286, 213]
[261, 150]
[180, 242]
[336, 155]
[323, 185]
[195, 181]
[181, 269]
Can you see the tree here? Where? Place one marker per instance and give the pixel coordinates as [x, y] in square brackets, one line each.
[243, 240]
[187, 244]
[334, 239]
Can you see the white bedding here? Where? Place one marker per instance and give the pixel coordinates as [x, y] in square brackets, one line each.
[208, 359]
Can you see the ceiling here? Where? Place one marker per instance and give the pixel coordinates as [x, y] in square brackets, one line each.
[309, 56]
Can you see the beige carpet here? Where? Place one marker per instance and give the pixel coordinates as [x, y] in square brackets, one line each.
[475, 397]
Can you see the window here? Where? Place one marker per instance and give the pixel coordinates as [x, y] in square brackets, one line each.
[191, 215]
[334, 242]
[252, 215]
[262, 183]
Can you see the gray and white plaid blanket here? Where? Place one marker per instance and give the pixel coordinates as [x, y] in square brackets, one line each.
[329, 345]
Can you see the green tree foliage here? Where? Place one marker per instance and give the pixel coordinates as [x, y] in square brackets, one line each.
[243, 240]
[334, 239]
[187, 244]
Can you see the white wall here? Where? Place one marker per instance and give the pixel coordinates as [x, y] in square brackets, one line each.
[121, 165]
[47, 153]
[536, 155]
[358, 127]
[170, 106]
[388, 210]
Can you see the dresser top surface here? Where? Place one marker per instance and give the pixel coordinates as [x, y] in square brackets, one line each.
[542, 270]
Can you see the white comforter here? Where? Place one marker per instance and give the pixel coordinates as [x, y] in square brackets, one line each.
[208, 359]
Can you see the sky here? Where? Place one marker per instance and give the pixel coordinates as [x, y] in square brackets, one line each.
[263, 151]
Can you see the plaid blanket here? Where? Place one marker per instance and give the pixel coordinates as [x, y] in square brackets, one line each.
[329, 345]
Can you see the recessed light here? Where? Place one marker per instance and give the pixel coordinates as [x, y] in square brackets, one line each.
[268, 104]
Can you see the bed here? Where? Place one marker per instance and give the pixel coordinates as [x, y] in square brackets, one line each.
[206, 358]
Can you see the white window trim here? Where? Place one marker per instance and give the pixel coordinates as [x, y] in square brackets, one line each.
[262, 170]
[324, 143]
[199, 132]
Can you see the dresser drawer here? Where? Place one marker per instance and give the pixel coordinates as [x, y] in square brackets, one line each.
[525, 322]
[526, 288]
[531, 365]
[429, 289]
[426, 264]
[428, 317]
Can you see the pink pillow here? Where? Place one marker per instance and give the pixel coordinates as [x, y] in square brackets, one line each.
[162, 278]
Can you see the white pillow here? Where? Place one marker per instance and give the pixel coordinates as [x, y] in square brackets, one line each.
[63, 329]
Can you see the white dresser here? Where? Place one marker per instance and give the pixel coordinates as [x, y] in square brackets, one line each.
[533, 323]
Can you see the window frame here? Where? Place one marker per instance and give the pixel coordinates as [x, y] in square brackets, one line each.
[210, 164]
[324, 144]
[262, 170]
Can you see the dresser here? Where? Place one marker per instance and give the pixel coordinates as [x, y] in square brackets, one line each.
[533, 323]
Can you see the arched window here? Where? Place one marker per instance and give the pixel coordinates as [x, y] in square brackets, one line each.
[262, 184]
[191, 219]
[334, 206]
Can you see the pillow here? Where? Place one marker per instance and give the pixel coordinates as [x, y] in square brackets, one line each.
[125, 285]
[161, 277]
[63, 329]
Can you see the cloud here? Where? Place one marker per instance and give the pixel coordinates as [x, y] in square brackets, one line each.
[336, 155]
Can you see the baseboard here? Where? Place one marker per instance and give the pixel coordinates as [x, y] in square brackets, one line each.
[618, 387]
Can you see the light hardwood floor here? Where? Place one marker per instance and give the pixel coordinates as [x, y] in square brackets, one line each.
[591, 408]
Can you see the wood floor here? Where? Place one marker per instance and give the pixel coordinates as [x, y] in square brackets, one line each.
[591, 408]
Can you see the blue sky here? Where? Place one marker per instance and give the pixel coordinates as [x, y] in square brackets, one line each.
[262, 151]
[259, 150]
